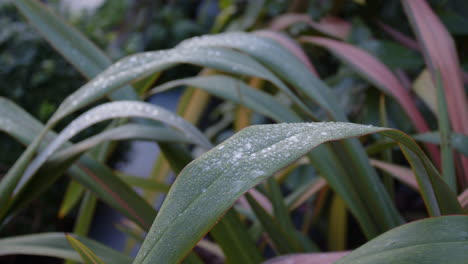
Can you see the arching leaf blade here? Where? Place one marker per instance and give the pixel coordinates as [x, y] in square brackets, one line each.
[433, 240]
[87, 255]
[91, 173]
[219, 177]
[113, 110]
[288, 67]
[239, 92]
[56, 245]
[72, 44]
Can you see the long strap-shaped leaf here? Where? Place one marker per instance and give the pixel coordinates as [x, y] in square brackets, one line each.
[377, 204]
[109, 111]
[88, 256]
[263, 49]
[237, 91]
[322, 158]
[124, 132]
[75, 47]
[140, 65]
[208, 186]
[441, 57]
[377, 73]
[434, 240]
[56, 245]
[89, 172]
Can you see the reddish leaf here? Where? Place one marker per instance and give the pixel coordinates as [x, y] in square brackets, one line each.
[400, 37]
[403, 174]
[332, 26]
[441, 56]
[289, 44]
[377, 73]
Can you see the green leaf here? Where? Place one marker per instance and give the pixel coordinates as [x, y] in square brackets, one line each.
[88, 256]
[140, 65]
[109, 111]
[231, 234]
[56, 245]
[459, 141]
[282, 240]
[441, 57]
[208, 186]
[74, 46]
[434, 240]
[89, 172]
[145, 184]
[124, 132]
[376, 211]
[262, 49]
[72, 196]
[236, 91]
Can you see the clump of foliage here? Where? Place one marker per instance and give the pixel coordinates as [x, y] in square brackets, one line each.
[268, 187]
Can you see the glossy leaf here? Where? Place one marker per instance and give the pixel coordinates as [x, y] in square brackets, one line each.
[124, 132]
[109, 111]
[56, 245]
[375, 72]
[208, 186]
[141, 65]
[237, 91]
[88, 172]
[433, 240]
[375, 210]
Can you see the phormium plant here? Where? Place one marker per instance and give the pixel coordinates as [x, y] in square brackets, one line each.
[271, 79]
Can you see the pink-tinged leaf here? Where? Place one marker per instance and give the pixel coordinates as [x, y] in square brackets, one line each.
[409, 42]
[310, 258]
[318, 185]
[289, 44]
[400, 37]
[401, 173]
[463, 199]
[259, 197]
[329, 25]
[441, 57]
[377, 73]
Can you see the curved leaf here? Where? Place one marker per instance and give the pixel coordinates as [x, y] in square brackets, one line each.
[441, 57]
[434, 240]
[143, 64]
[56, 245]
[262, 49]
[88, 256]
[73, 45]
[124, 132]
[87, 171]
[109, 111]
[208, 186]
[239, 92]
[374, 71]
[332, 26]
